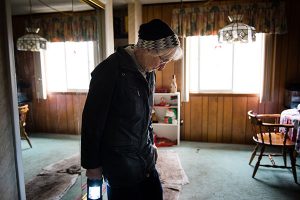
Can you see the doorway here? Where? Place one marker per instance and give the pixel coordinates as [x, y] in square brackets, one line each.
[53, 119]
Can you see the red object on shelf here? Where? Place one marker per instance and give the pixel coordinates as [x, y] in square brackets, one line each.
[162, 102]
[163, 142]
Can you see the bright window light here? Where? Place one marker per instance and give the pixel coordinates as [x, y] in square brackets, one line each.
[229, 68]
[68, 65]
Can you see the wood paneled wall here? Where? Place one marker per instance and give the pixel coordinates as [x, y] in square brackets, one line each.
[60, 113]
[223, 117]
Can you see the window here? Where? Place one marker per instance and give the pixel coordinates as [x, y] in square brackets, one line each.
[231, 68]
[68, 65]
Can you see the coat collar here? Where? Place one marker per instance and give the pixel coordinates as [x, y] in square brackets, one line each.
[127, 61]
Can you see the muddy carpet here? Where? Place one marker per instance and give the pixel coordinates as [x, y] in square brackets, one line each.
[54, 180]
[171, 174]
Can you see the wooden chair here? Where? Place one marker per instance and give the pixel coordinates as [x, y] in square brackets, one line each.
[269, 133]
[22, 122]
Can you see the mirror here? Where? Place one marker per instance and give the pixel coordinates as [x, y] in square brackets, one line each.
[52, 86]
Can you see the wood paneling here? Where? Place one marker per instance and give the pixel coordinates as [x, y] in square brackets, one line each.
[187, 122]
[212, 116]
[227, 119]
[220, 118]
[204, 118]
[196, 106]
[59, 113]
[239, 119]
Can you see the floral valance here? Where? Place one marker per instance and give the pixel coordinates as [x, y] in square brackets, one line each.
[266, 17]
[59, 27]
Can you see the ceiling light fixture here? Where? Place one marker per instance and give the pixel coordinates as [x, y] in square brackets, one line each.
[236, 31]
[31, 41]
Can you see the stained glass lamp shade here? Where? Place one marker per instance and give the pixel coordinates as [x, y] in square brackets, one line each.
[31, 41]
[236, 31]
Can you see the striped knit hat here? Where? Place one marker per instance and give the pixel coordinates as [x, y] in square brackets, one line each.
[157, 35]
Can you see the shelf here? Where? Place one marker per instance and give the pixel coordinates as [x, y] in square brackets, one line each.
[167, 94]
[163, 124]
[174, 106]
[163, 102]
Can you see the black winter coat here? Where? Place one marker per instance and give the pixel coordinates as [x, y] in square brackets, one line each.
[116, 121]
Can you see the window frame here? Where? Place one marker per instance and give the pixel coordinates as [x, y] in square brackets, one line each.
[67, 89]
[229, 91]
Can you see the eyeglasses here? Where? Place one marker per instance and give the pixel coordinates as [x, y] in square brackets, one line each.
[164, 59]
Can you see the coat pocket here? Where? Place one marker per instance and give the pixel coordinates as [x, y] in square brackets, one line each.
[123, 167]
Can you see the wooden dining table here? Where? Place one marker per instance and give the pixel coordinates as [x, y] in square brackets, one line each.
[292, 116]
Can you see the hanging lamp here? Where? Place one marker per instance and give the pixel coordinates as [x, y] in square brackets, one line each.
[31, 41]
[236, 31]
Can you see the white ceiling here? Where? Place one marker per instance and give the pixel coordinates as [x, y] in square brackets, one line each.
[20, 7]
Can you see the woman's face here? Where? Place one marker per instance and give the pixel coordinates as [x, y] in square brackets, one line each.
[154, 60]
[151, 62]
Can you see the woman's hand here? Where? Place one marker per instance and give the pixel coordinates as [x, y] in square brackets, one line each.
[94, 173]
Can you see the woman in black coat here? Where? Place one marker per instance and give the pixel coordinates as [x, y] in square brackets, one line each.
[117, 136]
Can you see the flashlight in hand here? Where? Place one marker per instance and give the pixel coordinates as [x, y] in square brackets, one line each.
[94, 189]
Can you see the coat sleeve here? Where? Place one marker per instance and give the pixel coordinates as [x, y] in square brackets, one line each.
[95, 113]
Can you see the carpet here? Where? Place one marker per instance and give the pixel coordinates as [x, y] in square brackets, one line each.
[171, 174]
[54, 180]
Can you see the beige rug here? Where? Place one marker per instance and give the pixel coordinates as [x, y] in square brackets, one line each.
[171, 174]
[54, 180]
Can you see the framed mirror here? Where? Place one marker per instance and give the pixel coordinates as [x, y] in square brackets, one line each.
[51, 88]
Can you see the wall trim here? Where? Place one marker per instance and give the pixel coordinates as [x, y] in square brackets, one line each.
[13, 96]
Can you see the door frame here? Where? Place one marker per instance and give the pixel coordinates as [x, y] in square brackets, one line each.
[10, 58]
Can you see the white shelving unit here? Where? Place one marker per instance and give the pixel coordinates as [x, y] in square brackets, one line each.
[166, 128]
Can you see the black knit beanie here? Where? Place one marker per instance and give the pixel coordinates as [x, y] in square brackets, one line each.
[156, 34]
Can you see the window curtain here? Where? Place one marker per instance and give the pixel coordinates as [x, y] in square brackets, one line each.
[68, 26]
[267, 17]
[61, 27]
[268, 75]
[185, 74]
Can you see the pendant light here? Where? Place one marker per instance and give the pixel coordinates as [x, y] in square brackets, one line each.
[236, 31]
[31, 41]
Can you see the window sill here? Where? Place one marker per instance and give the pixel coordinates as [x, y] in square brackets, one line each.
[223, 94]
[79, 92]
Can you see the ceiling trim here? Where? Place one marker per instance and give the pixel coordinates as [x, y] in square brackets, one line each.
[95, 3]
